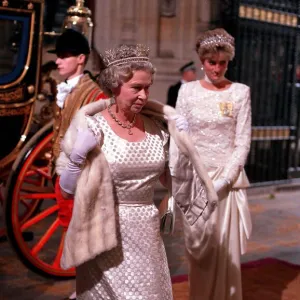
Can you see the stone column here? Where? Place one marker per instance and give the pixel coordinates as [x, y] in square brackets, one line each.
[170, 33]
[128, 22]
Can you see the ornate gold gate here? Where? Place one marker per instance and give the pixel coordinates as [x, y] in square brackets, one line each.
[267, 56]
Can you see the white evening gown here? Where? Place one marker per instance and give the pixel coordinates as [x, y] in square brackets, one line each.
[137, 268]
[220, 126]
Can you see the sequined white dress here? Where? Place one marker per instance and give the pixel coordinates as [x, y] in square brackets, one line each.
[137, 268]
[220, 126]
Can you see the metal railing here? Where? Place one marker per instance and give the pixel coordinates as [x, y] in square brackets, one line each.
[267, 36]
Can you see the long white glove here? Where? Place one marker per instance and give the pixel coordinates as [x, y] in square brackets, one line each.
[180, 122]
[85, 142]
[220, 186]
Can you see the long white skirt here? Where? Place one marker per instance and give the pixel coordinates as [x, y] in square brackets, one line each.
[136, 269]
[214, 271]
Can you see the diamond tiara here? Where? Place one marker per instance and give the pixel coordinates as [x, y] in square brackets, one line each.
[123, 61]
[218, 40]
[126, 54]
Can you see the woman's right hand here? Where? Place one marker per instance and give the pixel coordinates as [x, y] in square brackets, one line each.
[181, 122]
[84, 143]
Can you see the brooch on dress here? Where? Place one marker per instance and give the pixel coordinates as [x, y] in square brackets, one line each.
[226, 109]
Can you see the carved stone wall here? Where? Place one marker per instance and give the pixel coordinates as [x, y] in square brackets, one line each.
[168, 27]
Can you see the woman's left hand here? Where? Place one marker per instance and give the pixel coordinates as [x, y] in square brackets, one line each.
[180, 122]
[219, 184]
[221, 188]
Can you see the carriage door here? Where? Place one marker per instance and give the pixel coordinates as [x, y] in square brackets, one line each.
[20, 54]
[267, 56]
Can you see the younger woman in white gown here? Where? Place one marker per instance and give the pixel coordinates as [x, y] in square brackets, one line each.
[219, 115]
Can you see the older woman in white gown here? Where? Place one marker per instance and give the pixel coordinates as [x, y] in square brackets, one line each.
[112, 156]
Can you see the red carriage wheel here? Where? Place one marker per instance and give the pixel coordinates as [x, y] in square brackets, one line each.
[28, 208]
[30, 183]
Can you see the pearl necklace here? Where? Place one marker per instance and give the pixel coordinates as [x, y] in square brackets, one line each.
[127, 126]
[207, 79]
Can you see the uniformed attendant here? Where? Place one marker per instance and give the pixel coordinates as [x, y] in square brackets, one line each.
[78, 89]
[72, 50]
[188, 73]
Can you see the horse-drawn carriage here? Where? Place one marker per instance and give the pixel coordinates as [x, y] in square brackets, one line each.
[32, 222]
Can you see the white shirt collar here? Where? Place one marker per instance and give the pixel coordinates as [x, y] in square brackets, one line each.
[183, 81]
[64, 88]
[72, 82]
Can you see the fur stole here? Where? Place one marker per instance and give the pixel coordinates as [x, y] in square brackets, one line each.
[92, 229]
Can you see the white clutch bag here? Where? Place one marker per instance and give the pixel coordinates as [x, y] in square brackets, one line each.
[167, 211]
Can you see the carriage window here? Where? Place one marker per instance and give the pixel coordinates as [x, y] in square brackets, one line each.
[14, 46]
[10, 39]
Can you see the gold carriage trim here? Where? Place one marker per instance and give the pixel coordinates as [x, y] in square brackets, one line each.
[16, 109]
[13, 95]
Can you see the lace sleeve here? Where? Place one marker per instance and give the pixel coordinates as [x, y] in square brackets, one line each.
[181, 100]
[242, 140]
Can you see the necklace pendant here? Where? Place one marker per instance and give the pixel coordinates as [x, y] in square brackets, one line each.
[128, 126]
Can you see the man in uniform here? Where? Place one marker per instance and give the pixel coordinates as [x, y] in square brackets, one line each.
[188, 73]
[78, 89]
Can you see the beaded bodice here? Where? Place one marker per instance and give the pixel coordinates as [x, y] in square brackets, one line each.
[220, 124]
[135, 166]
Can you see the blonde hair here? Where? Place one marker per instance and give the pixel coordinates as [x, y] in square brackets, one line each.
[213, 41]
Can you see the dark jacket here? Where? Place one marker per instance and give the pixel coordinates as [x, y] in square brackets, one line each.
[173, 93]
